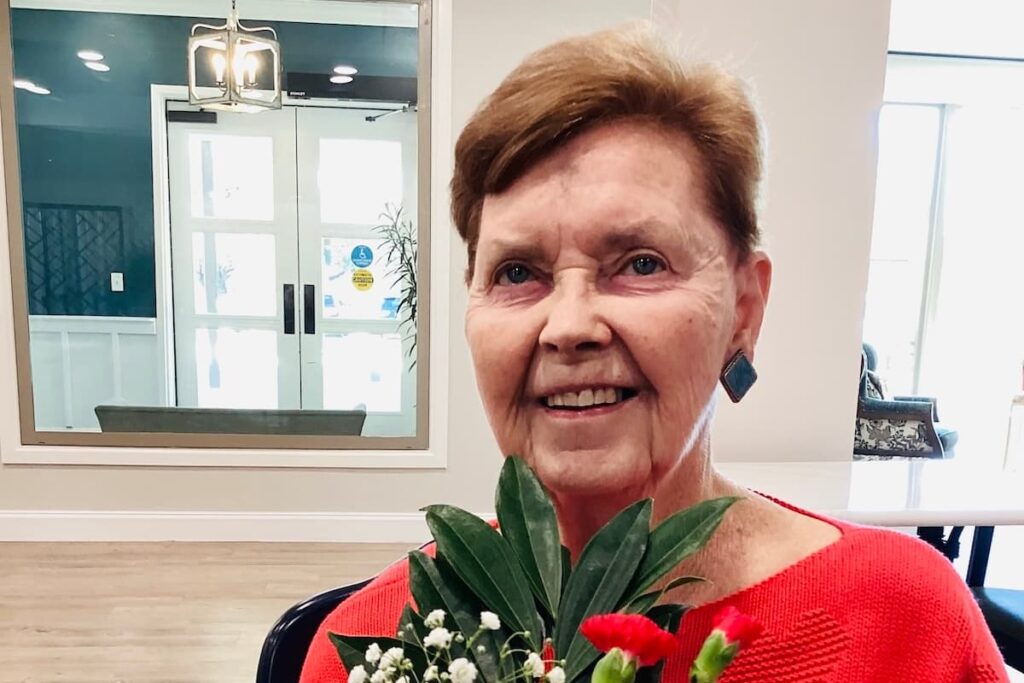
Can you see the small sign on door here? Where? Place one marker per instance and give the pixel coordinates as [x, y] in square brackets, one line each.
[362, 280]
[362, 256]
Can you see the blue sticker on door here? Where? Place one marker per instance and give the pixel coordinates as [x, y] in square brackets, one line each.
[362, 256]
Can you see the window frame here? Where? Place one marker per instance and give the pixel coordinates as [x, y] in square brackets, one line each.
[21, 443]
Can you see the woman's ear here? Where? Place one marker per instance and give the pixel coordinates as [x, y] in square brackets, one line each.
[753, 281]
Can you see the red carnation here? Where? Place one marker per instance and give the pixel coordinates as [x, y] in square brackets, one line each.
[636, 635]
[737, 627]
[731, 631]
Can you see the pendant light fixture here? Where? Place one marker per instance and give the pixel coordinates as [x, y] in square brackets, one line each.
[240, 67]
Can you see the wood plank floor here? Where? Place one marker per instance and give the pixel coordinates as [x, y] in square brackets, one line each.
[167, 612]
[161, 612]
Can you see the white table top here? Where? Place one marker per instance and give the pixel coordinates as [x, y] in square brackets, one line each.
[892, 493]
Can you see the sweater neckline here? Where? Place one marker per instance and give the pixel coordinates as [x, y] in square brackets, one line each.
[846, 531]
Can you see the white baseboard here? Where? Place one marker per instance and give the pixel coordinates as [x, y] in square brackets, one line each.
[130, 526]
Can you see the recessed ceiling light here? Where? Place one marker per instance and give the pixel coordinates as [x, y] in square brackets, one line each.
[25, 84]
[345, 70]
[341, 79]
[90, 55]
[97, 66]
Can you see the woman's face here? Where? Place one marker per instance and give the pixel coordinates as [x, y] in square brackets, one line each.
[603, 304]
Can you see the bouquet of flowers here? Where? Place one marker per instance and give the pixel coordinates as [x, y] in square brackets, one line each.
[505, 607]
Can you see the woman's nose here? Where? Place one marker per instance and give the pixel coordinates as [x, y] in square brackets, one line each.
[575, 323]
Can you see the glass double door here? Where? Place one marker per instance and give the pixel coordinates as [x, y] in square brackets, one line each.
[284, 295]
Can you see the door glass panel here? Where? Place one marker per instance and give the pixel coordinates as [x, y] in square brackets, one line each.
[356, 279]
[231, 176]
[233, 274]
[236, 368]
[357, 179]
[363, 370]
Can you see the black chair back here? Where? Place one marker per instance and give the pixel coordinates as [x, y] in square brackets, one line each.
[285, 647]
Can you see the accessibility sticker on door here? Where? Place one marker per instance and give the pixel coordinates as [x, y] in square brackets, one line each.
[362, 279]
[362, 256]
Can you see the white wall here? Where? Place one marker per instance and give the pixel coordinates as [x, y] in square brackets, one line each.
[819, 71]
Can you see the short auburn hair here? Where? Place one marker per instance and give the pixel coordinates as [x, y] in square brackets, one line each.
[582, 82]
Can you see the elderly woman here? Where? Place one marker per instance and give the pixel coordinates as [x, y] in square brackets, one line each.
[606, 196]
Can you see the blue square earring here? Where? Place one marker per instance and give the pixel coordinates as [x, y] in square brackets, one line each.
[738, 376]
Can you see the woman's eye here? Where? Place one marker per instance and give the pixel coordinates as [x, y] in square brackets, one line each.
[514, 274]
[645, 265]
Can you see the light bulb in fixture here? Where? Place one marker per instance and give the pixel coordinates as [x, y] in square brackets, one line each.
[97, 66]
[39, 90]
[341, 79]
[251, 64]
[90, 55]
[220, 65]
[345, 70]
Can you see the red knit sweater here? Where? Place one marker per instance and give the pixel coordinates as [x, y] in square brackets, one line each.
[876, 605]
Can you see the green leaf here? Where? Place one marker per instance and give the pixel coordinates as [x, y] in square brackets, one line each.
[481, 557]
[352, 649]
[435, 586]
[667, 617]
[598, 582]
[527, 520]
[566, 567]
[679, 536]
[419, 631]
[642, 603]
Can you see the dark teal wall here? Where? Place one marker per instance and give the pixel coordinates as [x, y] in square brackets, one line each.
[86, 151]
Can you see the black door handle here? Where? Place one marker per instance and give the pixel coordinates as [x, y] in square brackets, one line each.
[308, 310]
[289, 309]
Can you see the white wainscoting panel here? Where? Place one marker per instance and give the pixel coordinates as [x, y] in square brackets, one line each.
[79, 362]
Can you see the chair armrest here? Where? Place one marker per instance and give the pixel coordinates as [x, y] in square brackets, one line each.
[901, 410]
[929, 399]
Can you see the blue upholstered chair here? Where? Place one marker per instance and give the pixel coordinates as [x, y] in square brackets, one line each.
[285, 647]
[1003, 608]
[896, 427]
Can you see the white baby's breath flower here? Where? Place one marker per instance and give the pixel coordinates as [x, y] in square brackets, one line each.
[439, 638]
[490, 621]
[379, 676]
[431, 673]
[435, 619]
[462, 671]
[556, 675]
[391, 659]
[534, 667]
[372, 653]
[357, 674]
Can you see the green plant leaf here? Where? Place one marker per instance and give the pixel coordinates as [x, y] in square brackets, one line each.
[679, 536]
[352, 649]
[566, 567]
[598, 582]
[419, 630]
[642, 603]
[435, 586]
[481, 557]
[667, 617]
[527, 520]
